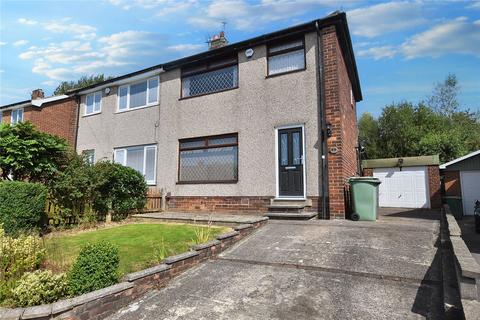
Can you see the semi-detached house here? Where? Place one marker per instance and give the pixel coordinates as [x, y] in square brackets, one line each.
[264, 124]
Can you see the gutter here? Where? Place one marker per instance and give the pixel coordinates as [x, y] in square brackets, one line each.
[322, 151]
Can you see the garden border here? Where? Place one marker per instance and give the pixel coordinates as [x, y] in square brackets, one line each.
[101, 303]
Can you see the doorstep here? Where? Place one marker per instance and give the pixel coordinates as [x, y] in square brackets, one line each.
[290, 215]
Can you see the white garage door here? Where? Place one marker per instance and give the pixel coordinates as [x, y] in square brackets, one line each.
[470, 181]
[406, 188]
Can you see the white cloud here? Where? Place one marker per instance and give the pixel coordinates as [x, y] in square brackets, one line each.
[474, 5]
[384, 18]
[454, 36]
[378, 53]
[2, 43]
[187, 48]
[62, 27]
[69, 59]
[160, 7]
[20, 43]
[27, 21]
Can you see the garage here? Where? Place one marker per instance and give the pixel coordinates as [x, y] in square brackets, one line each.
[462, 180]
[409, 182]
[403, 188]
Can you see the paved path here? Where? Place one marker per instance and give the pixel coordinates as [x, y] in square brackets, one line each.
[312, 270]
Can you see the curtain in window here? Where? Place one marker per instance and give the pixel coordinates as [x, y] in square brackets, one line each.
[123, 95]
[286, 62]
[138, 94]
[153, 90]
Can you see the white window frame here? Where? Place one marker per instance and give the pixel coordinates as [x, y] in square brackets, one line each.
[100, 107]
[15, 111]
[145, 147]
[148, 104]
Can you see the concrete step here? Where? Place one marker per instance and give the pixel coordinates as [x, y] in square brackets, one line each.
[293, 206]
[290, 215]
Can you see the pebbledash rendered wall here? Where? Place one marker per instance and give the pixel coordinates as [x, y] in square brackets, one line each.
[253, 110]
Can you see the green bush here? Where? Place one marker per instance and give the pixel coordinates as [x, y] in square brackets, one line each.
[96, 267]
[19, 255]
[22, 206]
[74, 189]
[39, 287]
[121, 189]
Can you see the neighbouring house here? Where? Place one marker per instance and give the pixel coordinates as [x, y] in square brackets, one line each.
[461, 179]
[55, 115]
[265, 124]
[408, 182]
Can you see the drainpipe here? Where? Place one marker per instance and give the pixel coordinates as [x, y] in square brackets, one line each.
[322, 150]
[77, 100]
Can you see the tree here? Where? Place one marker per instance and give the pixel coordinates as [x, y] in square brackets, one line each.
[437, 127]
[444, 97]
[28, 154]
[368, 135]
[84, 81]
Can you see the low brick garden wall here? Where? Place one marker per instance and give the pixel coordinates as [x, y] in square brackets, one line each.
[101, 303]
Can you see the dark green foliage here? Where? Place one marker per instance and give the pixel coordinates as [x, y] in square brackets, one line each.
[96, 267]
[74, 188]
[105, 186]
[122, 189]
[22, 206]
[438, 127]
[83, 82]
[28, 154]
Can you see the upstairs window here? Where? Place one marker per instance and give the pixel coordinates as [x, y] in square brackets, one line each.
[138, 95]
[214, 76]
[17, 116]
[209, 159]
[286, 57]
[93, 103]
[141, 158]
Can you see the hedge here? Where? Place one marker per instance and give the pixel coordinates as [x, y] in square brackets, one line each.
[22, 206]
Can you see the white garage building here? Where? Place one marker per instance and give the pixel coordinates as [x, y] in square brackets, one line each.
[409, 182]
[462, 179]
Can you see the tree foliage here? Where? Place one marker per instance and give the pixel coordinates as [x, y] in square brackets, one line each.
[29, 154]
[83, 82]
[434, 127]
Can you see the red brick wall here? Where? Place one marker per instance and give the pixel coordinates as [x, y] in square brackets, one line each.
[452, 183]
[434, 186]
[340, 112]
[58, 118]
[237, 204]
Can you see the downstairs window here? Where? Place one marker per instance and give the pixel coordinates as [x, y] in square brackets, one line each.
[141, 158]
[209, 159]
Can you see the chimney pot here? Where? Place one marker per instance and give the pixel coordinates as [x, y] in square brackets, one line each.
[218, 41]
[37, 94]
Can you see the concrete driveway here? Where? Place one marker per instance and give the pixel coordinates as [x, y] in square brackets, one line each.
[389, 269]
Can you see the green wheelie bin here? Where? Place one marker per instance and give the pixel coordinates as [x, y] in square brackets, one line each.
[364, 192]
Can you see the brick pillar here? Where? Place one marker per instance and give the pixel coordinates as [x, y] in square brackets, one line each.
[434, 187]
[340, 113]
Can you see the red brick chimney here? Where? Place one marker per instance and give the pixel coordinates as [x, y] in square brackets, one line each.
[218, 41]
[37, 94]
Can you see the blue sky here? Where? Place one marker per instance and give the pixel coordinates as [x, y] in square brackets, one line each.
[402, 47]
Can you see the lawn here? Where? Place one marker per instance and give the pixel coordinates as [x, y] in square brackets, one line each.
[140, 245]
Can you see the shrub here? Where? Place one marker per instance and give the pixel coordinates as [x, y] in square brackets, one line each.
[22, 206]
[39, 287]
[121, 189]
[96, 267]
[19, 255]
[74, 189]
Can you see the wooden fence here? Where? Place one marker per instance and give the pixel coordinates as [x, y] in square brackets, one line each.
[154, 200]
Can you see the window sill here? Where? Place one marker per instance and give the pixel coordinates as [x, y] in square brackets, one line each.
[284, 73]
[137, 108]
[206, 94]
[91, 114]
[208, 182]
